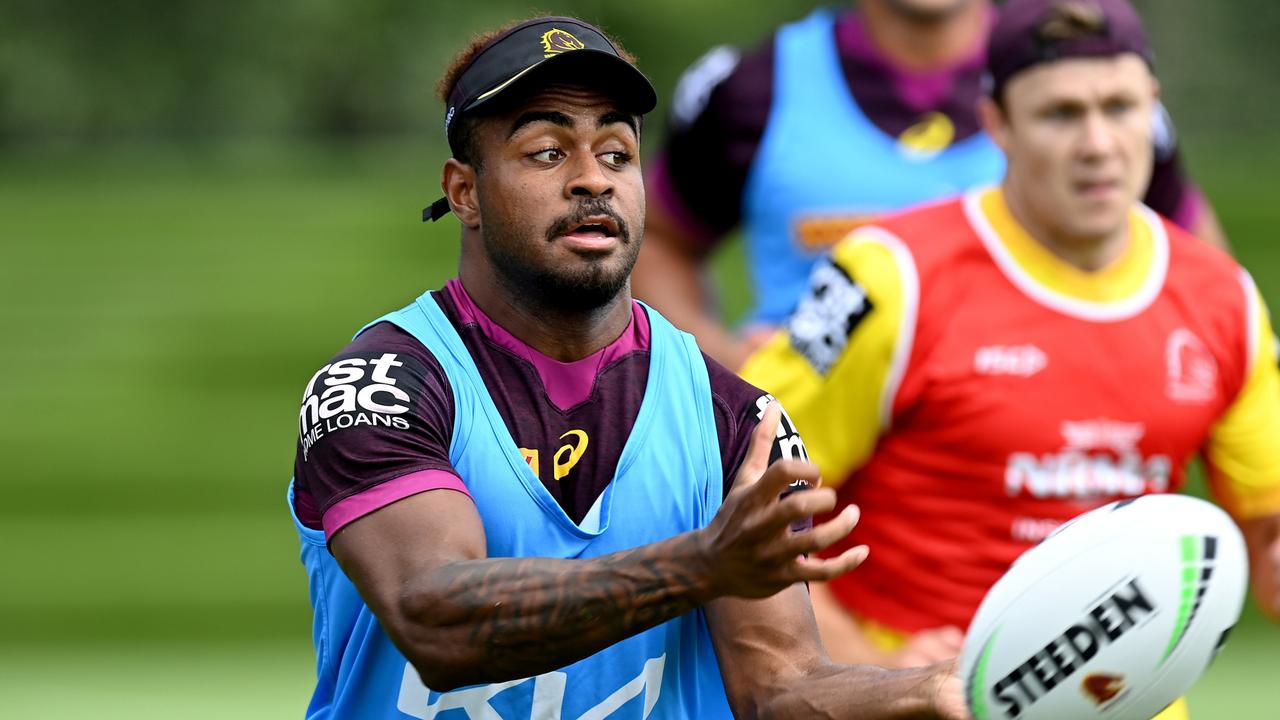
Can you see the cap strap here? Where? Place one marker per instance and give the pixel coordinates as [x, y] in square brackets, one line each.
[435, 210]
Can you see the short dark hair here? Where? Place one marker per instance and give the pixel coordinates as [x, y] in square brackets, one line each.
[462, 131]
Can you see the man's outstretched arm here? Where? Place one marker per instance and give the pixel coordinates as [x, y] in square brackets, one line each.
[1262, 538]
[774, 666]
[461, 618]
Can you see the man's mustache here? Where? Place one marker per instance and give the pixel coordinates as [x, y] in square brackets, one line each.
[587, 209]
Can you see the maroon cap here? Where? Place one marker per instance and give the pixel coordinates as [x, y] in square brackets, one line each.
[1027, 34]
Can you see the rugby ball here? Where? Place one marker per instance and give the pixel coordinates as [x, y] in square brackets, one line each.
[1114, 615]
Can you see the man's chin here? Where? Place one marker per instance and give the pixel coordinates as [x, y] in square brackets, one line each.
[585, 284]
[1101, 219]
[1096, 231]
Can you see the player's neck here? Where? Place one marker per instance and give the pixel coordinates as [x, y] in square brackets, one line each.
[560, 334]
[919, 45]
[1089, 254]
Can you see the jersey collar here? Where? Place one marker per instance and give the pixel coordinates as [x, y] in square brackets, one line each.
[1122, 289]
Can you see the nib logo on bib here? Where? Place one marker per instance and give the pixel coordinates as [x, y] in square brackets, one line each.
[1100, 459]
[366, 389]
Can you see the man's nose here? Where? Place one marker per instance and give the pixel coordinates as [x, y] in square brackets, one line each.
[1098, 137]
[589, 178]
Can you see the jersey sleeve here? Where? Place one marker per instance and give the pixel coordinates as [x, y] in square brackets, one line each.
[1242, 453]
[831, 363]
[374, 426]
[719, 111]
[739, 407]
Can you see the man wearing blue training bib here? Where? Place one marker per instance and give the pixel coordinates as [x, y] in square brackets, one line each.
[526, 495]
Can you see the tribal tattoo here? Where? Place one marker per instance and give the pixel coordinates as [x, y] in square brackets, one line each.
[523, 616]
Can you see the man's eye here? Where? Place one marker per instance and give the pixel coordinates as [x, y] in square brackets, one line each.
[1119, 107]
[548, 155]
[1062, 113]
[617, 158]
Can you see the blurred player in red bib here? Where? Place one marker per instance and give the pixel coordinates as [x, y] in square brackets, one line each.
[976, 372]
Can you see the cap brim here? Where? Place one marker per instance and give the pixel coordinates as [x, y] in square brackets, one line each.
[588, 67]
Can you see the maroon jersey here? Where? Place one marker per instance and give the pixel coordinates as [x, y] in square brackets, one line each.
[570, 420]
[723, 102]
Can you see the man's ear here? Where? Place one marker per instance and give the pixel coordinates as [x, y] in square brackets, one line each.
[994, 121]
[459, 185]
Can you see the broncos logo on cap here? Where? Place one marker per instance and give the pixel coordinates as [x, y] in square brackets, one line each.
[556, 41]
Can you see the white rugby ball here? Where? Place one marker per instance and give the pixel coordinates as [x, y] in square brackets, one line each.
[1115, 615]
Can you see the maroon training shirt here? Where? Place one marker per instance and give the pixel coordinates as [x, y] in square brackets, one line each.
[571, 420]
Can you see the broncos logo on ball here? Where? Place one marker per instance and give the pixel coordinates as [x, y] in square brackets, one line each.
[1102, 687]
[556, 41]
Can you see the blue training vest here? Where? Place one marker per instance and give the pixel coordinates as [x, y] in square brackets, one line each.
[669, 480]
[821, 156]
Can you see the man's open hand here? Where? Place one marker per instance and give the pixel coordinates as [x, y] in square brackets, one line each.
[750, 547]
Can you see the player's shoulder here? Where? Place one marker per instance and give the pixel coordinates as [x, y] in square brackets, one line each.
[919, 222]
[928, 232]
[1193, 261]
[728, 387]
[739, 407]
[384, 370]
[380, 408]
[727, 80]
[381, 339]
[1214, 291]
[739, 403]
[1183, 245]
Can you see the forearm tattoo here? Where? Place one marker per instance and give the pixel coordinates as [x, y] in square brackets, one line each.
[522, 616]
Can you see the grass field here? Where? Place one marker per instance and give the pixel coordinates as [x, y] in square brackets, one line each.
[161, 311]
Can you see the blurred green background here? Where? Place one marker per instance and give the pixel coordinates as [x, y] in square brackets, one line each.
[199, 202]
